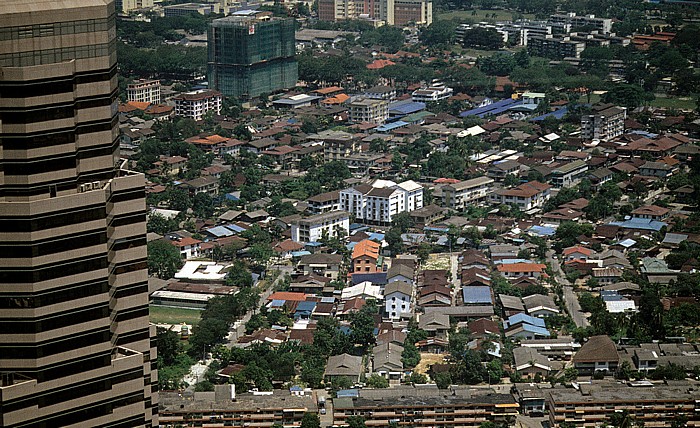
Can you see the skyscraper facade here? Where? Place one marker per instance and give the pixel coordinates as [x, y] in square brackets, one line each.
[251, 54]
[75, 341]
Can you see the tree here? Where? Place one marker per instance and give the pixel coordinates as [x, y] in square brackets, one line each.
[501, 64]
[310, 420]
[179, 199]
[483, 38]
[439, 32]
[164, 259]
[511, 180]
[443, 380]
[470, 370]
[157, 223]
[203, 205]
[168, 345]
[418, 378]
[570, 374]
[377, 381]
[356, 422]
[410, 357]
[627, 95]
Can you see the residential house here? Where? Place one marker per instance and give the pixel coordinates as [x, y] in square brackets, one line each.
[477, 295]
[530, 363]
[603, 123]
[498, 171]
[517, 270]
[364, 290]
[435, 323]
[652, 212]
[434, 295]
[207, 184]
[343, 366]
[599, 353]
[400, 272]
[656, 169]
[511, 305]
[189, 247]
[577, 253]
[561, 348]
[540, 306]
[386, 361]
[397, 299]
[368, 110]
[380, 202]
[325, 265]
[365, 257]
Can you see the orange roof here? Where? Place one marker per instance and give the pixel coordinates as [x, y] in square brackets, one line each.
[521, 267]
[338, 99]
[379, 63]
[287, 295]
[366, 248]
[577, 249]
[139, 105]
[329, 90]
[184, 242]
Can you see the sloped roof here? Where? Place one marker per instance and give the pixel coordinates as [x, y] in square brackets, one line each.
[343, 365]
[597, 349]
[398, 286]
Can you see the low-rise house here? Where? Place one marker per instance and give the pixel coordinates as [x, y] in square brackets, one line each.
[435, 323]
[207, 184]
[386, 361]
[561, 348]
[511, 305]
[324, 202]
[400, 272]
[577, 253]
[607, 275]
[477, 295]
[343, 366]
[499, 171]
[365, 257]
[434, 295]
[530, 363]
[189, 247]
[326, 265]
[517, 270]
[540, 306]
[599, 353]
[397, 299]
[365, 290]
[657, 169]
[652, 212]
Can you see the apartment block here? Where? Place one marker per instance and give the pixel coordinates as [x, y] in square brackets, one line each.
[460, 195]
[190, 8]
[408, 406]
[368, 110]
[569, 175]
[555, 47]
[197, 104]
[250, 54]
[390, 12]
[525, 196]
[144, 91]
[126, 6]
[603, 123]
[568, 21]
[75, 339]
[655, 405]
[224, 407]
[313, 229]
[324, 202]
[380, 202]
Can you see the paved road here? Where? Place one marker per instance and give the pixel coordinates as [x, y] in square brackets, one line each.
[456, 276]
[238, 328]
[327, 419]
[574, 308]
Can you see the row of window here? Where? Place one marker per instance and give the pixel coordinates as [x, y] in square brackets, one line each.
[57, 28]
[53, 56]
[53, 296]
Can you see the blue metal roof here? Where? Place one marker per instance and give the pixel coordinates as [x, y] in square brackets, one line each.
[540, 331]
[558, 114]
[405, 107]
[376, 236]
[351, 393]
[543, 231]
[300, 253]
[524, 318]
[391, 126]
[376, 278]
[496, 108]
[277, 303]
[306, 306]
[477, 294]
[219, 231]
[235, 228]
[640, 224]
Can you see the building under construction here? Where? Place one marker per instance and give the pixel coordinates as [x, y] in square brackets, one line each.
[251, 54]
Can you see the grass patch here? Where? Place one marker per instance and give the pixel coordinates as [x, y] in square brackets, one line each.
[166, 315]
[680, 103]
[438, 261]
[480, 15]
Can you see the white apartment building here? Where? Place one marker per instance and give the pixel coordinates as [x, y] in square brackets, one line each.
[432, 93]
[312, 229]
[144, 91]
[604, 123]
[380, 202]
[390, 12]
[198, 103]
[368, 110]
[526, 196]
[459, 195]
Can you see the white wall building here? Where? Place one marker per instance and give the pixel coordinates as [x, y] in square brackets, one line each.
[380, 202]
[330, 224]
[457, 196]
[198, 103]
[145, 91]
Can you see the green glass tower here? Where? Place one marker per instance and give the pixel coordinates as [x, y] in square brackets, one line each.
[251, 54]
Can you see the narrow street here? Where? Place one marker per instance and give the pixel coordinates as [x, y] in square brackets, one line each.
[570, 298]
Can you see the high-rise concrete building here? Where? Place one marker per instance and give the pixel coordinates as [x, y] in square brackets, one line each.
[251, 54]
[75, 341]
[391, 12]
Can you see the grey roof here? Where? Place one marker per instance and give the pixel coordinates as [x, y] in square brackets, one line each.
[530, 356]
[398, 286]
[399, 269]
[321, 258]
[511, 302]
[537, 300]
[387, 356]
[432, 321]
[463, 311]
[674, 238]
[344, 365]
